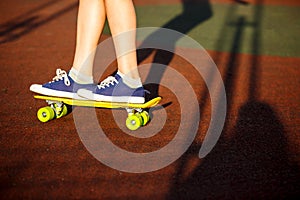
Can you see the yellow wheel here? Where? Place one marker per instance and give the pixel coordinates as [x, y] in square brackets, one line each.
[63, 111]
[45, 114]
[145, 117]
[134, 121]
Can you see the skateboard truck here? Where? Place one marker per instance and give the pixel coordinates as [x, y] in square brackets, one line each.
[136, 118]
[55, 109]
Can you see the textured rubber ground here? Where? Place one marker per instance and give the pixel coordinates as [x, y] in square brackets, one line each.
[257, 155]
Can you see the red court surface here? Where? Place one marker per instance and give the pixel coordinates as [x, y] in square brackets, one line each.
[257, 155]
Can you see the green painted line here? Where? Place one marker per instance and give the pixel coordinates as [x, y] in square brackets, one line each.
[252, 29]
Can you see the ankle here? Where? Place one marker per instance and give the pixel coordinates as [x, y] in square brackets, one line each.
[79, 77]
[129, 81]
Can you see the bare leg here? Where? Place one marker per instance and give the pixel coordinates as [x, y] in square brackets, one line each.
[122, 19]
[91, 19]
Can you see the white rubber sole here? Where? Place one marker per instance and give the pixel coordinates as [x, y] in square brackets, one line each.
[49, 92]
[119, 99]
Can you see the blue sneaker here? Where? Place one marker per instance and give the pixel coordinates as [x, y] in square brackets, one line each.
[113, 89]
[62, 85]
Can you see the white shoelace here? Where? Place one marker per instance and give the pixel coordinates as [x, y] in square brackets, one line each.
[107, 82]
[61, 75]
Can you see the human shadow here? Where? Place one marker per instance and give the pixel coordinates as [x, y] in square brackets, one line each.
[251, 160]
[194, 13]
[253, 164]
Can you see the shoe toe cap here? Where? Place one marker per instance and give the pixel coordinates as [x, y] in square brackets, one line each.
[35, 87]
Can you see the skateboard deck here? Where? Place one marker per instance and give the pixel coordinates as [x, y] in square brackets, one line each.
[100, 104]
[137, 115]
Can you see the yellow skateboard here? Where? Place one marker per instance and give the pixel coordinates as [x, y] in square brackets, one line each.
[137, 115]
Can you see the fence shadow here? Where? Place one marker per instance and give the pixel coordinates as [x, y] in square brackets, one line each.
[30, 20]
